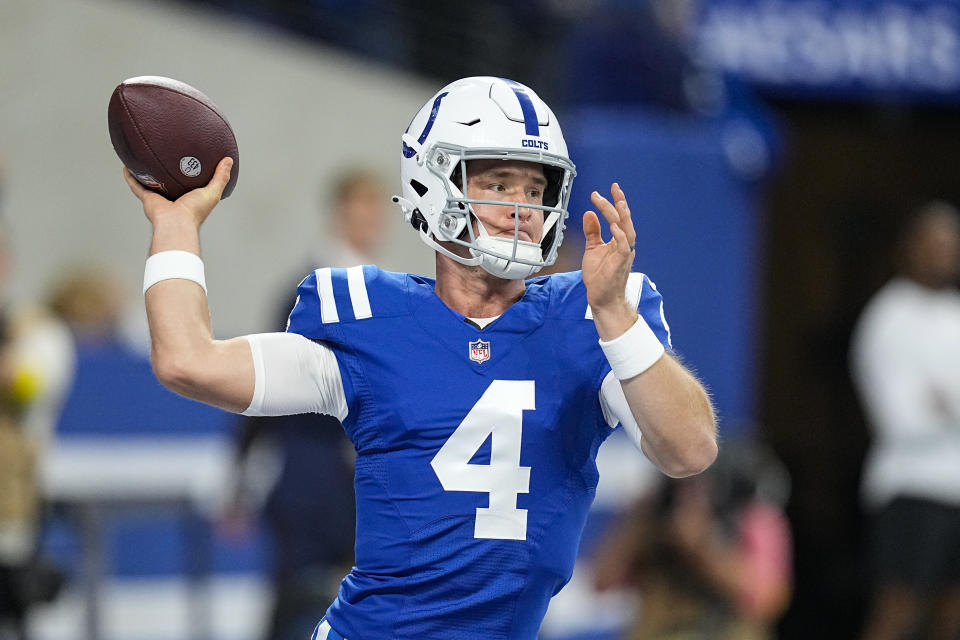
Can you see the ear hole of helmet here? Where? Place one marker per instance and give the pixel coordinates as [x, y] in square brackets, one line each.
[418, 222]
[419, 187]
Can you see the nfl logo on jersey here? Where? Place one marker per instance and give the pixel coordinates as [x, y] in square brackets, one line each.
[479, 351]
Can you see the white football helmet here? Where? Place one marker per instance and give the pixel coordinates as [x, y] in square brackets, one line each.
[473, 119]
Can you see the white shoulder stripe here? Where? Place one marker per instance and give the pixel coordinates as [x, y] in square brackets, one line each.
[358, 293]
[322, 631]
[328, 305]
[295, 303]
[663, 319]
[634, 288]
[633, 291]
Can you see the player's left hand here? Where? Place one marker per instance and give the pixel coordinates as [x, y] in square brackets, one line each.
[606, 265]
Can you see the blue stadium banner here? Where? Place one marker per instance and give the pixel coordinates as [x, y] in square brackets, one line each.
[847, 48]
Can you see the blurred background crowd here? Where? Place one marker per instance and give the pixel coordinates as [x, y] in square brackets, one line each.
[791, 166]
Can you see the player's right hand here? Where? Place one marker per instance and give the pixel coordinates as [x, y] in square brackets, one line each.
[194, 205]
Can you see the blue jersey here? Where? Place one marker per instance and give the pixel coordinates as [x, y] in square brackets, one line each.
[475, 448]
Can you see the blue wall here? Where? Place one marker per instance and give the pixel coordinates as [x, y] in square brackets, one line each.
[115, 393]
[697, 233]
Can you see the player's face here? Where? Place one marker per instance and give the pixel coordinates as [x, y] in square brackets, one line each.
[513, 181]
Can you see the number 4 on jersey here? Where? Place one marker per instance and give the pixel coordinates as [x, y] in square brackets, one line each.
[499, 414]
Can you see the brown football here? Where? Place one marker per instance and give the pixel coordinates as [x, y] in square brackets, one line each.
[169, 135]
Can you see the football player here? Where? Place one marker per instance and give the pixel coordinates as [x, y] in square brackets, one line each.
[476, 401]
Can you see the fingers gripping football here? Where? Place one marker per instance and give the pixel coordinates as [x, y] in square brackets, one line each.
[194, 205]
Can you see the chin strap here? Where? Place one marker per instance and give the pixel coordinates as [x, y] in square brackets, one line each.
[428, 239]
[504, 267]
[500, 267]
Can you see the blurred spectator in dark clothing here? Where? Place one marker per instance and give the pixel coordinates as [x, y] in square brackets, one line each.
[297, 471]
[711, 555]
[905, 361]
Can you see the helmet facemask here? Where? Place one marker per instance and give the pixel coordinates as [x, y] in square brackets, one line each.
[505, 257]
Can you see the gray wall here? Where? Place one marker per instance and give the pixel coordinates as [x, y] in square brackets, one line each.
[300, 113]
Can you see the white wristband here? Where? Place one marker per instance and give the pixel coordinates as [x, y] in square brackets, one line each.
[168, 265]
[634, 352]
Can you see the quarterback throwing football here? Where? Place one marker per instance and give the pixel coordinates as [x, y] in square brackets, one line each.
[476, 401]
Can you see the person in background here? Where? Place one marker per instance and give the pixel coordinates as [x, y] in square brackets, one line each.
[26, 578]
[710, 555]
[37, 362]
[41, 346]
[90, 301]
[311, 532]
[905, 361]
[19, 491]
[358, 221]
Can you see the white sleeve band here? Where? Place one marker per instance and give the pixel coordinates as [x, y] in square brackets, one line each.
[634, 352]
[294, 375]
[169, 265]
[615, 409]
